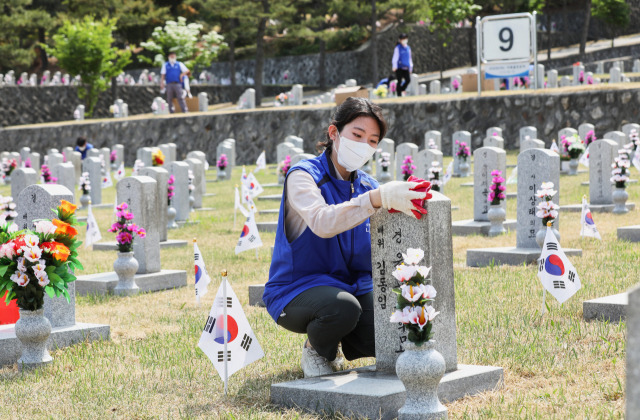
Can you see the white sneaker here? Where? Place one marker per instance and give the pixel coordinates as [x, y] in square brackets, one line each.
[313, 364]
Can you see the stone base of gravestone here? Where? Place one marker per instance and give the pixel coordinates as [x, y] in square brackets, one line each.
[273, 197]
[598, 208]
[510, 166]
[609, 308]
[269, 211]
[104, 283]
[367, 393]
[629, 181]
[11, 347]
[483, 257]
[472, 227]
[511, 195]
[205, 209]
[112, 246]
[267, 226]
[255, 295]
[182, 223]
[467, 184]
[629, 233]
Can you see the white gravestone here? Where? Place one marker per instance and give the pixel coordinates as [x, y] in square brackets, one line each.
[402, 151]
[493, 141]
[617, 136]
[434, 135]
[462, 137]
[527, 131]
[424, 161]
[583, 129]
[180, 201]
[66, 175]
[386, 145]
[161, 176]
[93, 166]
[552, 79]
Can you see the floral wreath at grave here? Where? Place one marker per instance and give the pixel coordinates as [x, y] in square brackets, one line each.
[125, 230]
[170, 189]
[282, 99]
[590, 137]
[47, 178]
[222, 162]
[85, 183]
[407, 167]
[455, 84]
[285, 165]
[463, 150]
[8, 165]
[620, 168]
[384, 160]
[27, 162]
[434, 175]
[415, 295]
[381, 91]
[547, 209]
[33, 262]
[157, 158]
[496, 195]
[113, 156]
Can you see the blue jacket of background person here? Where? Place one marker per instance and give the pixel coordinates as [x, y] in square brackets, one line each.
[343, 261]
[404, 58]
[173, 72]
[83, 152]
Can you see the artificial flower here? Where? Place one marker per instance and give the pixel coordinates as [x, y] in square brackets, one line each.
[45, 227]
[413, 256]
[67, 208]
[32, 254]
[64, 228]
[20, 278]
[404, 272]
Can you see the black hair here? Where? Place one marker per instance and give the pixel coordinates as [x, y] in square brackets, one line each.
[403, 36]
[348, 111]
[82, 140]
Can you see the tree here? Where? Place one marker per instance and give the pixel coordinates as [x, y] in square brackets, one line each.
[614, 13]
[84, 48]
[585, 29]
[185, 40]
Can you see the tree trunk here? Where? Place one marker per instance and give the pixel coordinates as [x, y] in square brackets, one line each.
[321, 69]
[374, 49]
[232, 57]
[114, 90]
[548, 34]
[473, 58]
[565, 24]
[43, 53]
[585, 30]
[441, 48]
[262, 25]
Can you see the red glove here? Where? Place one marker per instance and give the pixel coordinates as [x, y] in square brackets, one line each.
[423, 186]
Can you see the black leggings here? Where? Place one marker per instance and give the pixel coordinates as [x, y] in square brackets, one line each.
[329, 315]
[404, 78]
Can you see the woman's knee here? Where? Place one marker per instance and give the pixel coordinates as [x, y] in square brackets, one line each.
[348, 309]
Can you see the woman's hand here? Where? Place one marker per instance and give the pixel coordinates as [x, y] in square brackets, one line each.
[396, 195]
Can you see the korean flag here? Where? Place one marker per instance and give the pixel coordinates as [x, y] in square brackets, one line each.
[557, 274]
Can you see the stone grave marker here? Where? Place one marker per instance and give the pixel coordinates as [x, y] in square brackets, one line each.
[35, 161]
[295, 141]
[300, 157]
[568, 132]
[386, 145]
[203, 102]
[94, 153]
[434, 87]
[552, 79]
[146, 156]
[615, 75]
[66, 174]
[627, 128]
[202, 157]
[412, 89]
[197, 167]
[180, 201]
[66, 152]
[106, 155]
[576, 74]
[493, 141]
[55, 159]
[583, 129]
[565, 81]
[459, 79]
[25, 153]
[531, 144]
[173, 151]
[422, 89]
[494, 131]
[617, 136]
[283, 150]
[119, 149]
[232, 143]
[76, 160]
[140, 193]
[21, 178]
[424, 159]
[539, 76]
[486, 160]
[636, 66]
[434, 135]
[296, 95]
[528, 131]
[93, 166]
[161, 176]
[402, 151]
[460, 136]
[225, 149]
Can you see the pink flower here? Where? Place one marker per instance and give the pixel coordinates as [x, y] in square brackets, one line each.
[122, 207]
[124, 238]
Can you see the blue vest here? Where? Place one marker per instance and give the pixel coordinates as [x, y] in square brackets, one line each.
[173, 72]
[343, 261]
[404, 57]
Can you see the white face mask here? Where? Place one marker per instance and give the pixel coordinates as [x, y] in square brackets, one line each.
[404, 42]
[172, 61]
[352, 155]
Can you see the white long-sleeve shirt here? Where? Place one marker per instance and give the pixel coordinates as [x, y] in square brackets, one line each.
[305, 207]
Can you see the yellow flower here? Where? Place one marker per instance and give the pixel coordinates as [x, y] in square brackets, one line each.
[67, 208]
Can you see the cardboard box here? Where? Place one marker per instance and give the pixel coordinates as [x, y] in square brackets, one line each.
[354, 91]
[193, 105]
[470, 83]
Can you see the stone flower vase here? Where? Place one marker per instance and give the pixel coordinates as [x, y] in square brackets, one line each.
[384, 177]
[420, 369]
[125, 267]
[192, 202]
[464, 168]
[7, 179]
[171, 218]
[542, 233]
[573, 166]
[33, 330]
[222, 174]
[620, 197]
[85, 198]
[496, 215]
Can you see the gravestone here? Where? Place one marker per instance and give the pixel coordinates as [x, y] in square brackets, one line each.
[617, 136]
[583, 129]
[460, 136]
[66, 152]
[535, 166]
[197, 168]
[180, 201]
[424, 160]
[486, 160]
[615, 75]
[66, 174]
[55, 159]
[494, 131]
[434, 135]
[283, 150]
[552, 79]
[93, 166]
[540, 76]
[531, 144]
[161, 176]
[119, 149]
[173, 151]
[576, 74]
[402, 151]
[203, 102]
[146, 156]
[300, 157]
[35, 202]
[568, 132]
[78, 113]
[565, 81]
[21, 178]
[375, 391]
[94, 153]
[386, 145]
[351, 83]
[25, 153]
[140, 193]
[76, 160]
[528, 131]
[422, 89]
[295, 141]
[106, 156]
[493, 141]
[636, 66]
[202, 157]
[628, 128]
[296, 95]
[35, 161]
[458, 78]
[434, 87]
[600, 67]
[227, 150]
[412, 89]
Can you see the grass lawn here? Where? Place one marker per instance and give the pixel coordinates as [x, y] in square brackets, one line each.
[556, 365]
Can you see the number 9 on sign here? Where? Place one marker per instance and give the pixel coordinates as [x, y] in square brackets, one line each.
[506, 39]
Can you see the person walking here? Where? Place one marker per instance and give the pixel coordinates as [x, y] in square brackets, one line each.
[171, 75]
[402, 63]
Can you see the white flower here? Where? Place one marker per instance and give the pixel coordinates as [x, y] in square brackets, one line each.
[7, 251]
[413, 256]
[32, 254]
[428, 291]
[431, 313]
[21, 267]
[45, 227]
[424, 271]
[31, 240]
[546, 185]
[398, 316]
[39, 267]
[546, 192]
[411, 293]
[404, 272]
[21, 279]
[13, 228]
[43, 280]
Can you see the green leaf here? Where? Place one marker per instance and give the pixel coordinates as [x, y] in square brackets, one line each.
[50, 291]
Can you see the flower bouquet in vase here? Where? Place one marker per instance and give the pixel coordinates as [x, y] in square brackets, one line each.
[496, 196]
[157, 158]
[434, 176]
[463, 154]
[126, 265]
[407, 167]
[222, 165]
[171, 211]
[620, 176]
[420, 367]
[547, 211]
[35, 262]
[85, 186]
[284, 167]
[384, 161]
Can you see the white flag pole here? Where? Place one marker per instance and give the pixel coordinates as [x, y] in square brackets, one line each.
[224, 328]
[235, 208]
[196, 287]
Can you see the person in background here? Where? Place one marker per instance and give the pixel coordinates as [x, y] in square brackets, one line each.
[83, 146]
[171, 75]
[402, 63]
